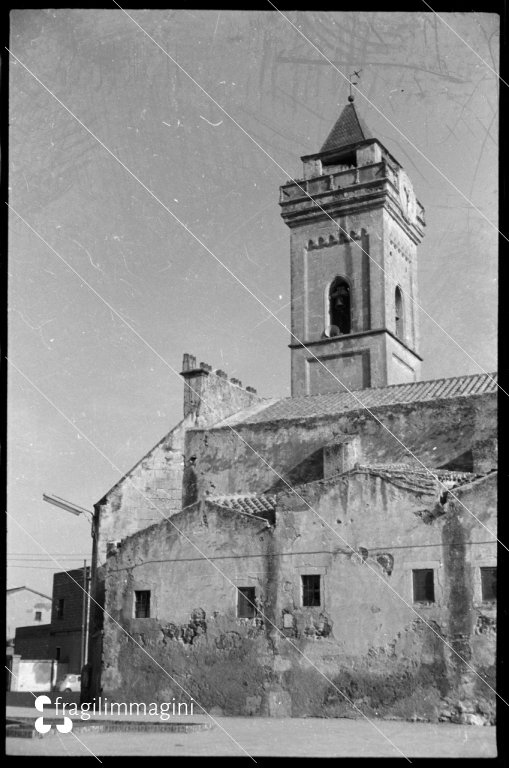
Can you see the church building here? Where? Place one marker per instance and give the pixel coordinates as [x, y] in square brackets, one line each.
[328, 554]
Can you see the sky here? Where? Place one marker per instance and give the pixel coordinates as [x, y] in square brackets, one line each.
[87, 396]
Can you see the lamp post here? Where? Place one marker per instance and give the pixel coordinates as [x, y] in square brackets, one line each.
[67, 505]
[75, 509]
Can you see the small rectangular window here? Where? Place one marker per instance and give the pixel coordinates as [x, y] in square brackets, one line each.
[246, 605]
[38, 616]
[60, 608]
[57, 653]
[311, 590]
[142, 604]
[424, 588]
[489, 584]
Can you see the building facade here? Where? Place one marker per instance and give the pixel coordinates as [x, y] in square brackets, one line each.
[329, 553]
[63, 638]
[26, 607]
[69, 618]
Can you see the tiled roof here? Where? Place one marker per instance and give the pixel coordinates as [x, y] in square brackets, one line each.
[407, 476]
[348, 129]
[251, 504]
[315, 406]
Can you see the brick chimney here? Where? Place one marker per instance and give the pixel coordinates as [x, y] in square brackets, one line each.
[195, 377]
[210, 395]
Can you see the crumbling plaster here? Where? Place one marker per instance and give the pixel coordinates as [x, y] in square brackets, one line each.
[361, 635]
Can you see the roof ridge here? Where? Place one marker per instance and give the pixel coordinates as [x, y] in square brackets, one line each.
[321, 405]
[393, 386]
[30, 589]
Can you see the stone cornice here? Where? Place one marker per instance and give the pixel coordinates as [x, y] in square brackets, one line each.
[335, 202]
[348, 336]
[335, 209]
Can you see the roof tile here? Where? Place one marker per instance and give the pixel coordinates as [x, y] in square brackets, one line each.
[259, 505]
[417, 478]
[316, 406]
[348, 129]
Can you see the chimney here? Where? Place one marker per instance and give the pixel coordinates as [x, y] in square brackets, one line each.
[210, 395]
[195, 378]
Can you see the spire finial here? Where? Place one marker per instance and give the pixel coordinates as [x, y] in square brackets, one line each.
[351, 98]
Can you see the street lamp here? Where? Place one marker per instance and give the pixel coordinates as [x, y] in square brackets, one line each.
[67, 505]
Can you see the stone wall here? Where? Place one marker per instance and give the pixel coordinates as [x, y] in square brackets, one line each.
[459, 432]
[152, 490]
[145, 495]
[194, 609]
[388, 656]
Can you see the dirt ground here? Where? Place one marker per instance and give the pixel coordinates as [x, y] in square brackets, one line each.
[304, 737]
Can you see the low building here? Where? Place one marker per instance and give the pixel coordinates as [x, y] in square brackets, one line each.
[69, 618]
[26, 607]
[64, 638]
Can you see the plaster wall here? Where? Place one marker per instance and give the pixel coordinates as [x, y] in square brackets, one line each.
[400, 268]
[356, 361]
[461, 430]
[385, 652]
[312, 271]
[193, 607]
[402, 365]
[152, 489]
[21, 609]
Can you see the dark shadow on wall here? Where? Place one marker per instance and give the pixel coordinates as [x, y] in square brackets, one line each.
[306, 471]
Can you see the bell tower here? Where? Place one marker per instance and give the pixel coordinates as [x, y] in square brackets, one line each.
[355, 225]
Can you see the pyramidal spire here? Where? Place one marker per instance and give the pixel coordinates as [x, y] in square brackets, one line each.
[349, 128]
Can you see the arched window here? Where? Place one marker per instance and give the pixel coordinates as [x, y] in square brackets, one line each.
[398, 313]
[339, 305]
